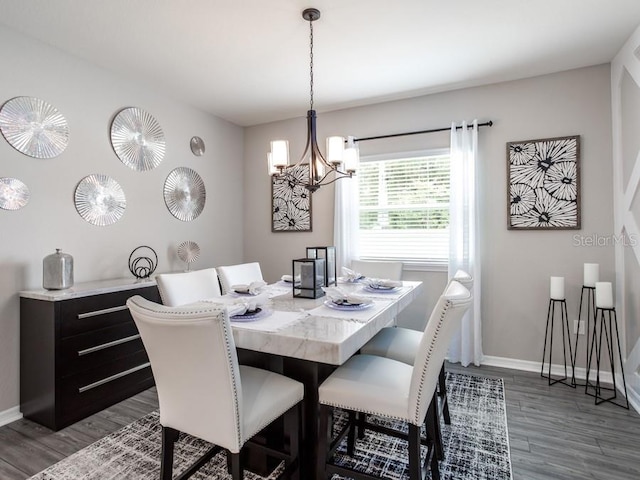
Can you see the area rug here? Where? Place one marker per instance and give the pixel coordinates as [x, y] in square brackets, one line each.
[476, 445]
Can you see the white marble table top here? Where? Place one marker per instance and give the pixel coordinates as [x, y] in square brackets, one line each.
[87, 289]
[326, 336]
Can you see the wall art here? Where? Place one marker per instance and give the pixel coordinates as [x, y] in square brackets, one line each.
[197, 146]
[291, 203]
[34, 127]
[137, 139]
[184, 193]
[14, 194]
[544, 184]
[100, 200]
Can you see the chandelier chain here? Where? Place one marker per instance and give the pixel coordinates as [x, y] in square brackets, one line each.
[310, 64]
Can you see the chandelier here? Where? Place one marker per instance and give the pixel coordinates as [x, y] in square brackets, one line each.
[342, 154]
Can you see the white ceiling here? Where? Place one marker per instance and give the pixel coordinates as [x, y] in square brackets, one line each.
[247, 61]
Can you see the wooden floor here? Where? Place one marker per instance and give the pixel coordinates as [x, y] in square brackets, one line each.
[555, 433]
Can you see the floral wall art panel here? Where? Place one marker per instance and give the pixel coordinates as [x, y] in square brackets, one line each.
[544, 184]
[291, 202]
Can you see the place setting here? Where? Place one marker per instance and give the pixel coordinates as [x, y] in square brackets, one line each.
[348, 305]
[381, 285]
[350, 276]
[251, 289]
[338, 299]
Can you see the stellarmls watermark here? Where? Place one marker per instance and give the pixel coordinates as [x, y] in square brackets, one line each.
[597, 240]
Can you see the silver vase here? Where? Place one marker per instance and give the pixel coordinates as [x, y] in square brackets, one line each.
[57, 271]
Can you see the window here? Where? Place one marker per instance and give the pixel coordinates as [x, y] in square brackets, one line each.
[404, 208]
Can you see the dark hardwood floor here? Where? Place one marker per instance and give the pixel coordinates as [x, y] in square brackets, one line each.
[555, 433]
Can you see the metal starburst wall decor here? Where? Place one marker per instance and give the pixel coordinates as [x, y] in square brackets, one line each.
[544, 184]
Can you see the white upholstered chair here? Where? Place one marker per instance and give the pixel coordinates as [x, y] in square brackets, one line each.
[188, 287]
[381, 386]
[203, 391]
[241, 274]
[375, 269]
[402, 344]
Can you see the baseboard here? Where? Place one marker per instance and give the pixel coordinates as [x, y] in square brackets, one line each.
[558, 370]
[634, 397]
[10, 415]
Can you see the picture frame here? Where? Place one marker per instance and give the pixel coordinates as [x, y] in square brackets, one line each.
[543, 189]
[291, 201]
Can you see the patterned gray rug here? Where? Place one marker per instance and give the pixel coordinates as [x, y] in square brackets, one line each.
[476, 445]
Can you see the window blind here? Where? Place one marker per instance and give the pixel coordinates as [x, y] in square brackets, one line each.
[404, 209]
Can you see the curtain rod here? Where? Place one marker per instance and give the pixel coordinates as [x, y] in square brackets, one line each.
[485, 124]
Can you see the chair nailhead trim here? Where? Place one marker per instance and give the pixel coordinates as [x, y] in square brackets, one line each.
[423, 373]
[234, 381]
[368, 412]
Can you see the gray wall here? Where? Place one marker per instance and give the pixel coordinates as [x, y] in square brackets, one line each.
[89, 97]
[516, 264]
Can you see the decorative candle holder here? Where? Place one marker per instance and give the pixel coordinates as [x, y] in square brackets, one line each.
[329, 255]
[308, 277]
[604, 327]
[557, 298]
[591, 276]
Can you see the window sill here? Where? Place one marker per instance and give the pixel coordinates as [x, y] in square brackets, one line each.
[425, 267]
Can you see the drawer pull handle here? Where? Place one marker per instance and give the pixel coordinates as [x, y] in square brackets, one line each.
[102, 346]
[113, 377]
[102, 312]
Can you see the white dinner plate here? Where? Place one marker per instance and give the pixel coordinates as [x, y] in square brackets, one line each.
[347, 307]
[257, 314]
[369, 288]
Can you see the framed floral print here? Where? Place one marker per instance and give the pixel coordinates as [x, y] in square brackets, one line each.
[290, 201]
[544, 184]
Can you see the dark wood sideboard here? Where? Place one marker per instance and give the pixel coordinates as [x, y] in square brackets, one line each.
[80, 350]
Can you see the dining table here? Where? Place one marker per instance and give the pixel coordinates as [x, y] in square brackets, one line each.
[306, 339]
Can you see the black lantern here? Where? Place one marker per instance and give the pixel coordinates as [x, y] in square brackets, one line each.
[329, 255]
[308, 277]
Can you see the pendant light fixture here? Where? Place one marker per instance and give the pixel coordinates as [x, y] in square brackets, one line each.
[342, 155]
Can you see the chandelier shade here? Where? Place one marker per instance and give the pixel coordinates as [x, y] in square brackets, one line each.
[342, 156]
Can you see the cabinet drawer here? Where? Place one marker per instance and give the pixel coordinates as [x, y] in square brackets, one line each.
[88, 392]
[95, 312]
[91, 349]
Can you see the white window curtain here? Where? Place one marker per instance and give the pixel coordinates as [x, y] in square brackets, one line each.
[464, 254]
[346, 221]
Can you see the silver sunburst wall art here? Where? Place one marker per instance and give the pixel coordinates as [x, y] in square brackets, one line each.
[100, 200]
[197, 146]
[188, 252]
[34, 127]
[13, 194]
[184, 193]
[137, 139]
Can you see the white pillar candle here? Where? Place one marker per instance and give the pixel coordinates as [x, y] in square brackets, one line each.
[306, 275]
[591, 274]
[604, 295]
[557, 288]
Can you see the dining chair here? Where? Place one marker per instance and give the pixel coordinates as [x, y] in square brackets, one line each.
[242, 273]
[204, 392]
[188, 287]
[388, 388]
[376, 269]
[402, 344]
